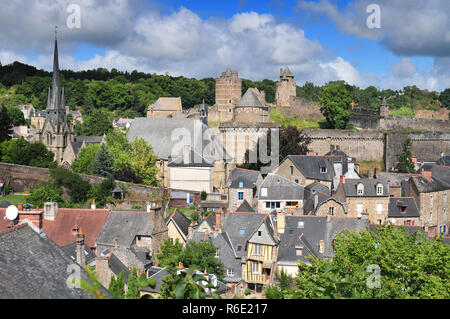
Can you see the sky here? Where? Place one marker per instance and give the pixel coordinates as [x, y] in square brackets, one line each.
[320, 40]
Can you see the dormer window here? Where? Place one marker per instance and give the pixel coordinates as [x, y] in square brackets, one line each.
[360, 189]
[379, 189]
[323, 170]
[241, 184]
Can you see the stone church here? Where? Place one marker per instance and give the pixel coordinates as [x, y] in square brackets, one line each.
[56, 133]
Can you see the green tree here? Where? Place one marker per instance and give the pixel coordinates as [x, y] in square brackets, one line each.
[335, 101]
[170, 254]
[410, 265]
[45, 193]
[20, 151]
[102, 193]
[120, 286]
[6, 125]
[16, 116]
[293, 142]
[103, 164]
[78, 187]
[444, 98]
[85, 159]
[133, 291]
[201, 256]
[405, 163]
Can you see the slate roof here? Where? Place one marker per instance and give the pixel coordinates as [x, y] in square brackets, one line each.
[310, 166]
[370, 187]
[4, 223]
[280, 188]
[245, 207]
[5, 204]
[439, 173]
[158, 132]
[70, 250]
[124, 227]
[393, 179]
[180, 220]
[61, 230]
[248, 177]
[423, 185]
[250, 99]
[115, 265]
[445, 160]
[34, 267]
[396, 203]
[195, 160]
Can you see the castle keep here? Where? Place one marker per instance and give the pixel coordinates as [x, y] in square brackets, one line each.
[228, 93]
[286, 88]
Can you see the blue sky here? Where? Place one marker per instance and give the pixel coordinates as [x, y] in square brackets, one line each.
[321, 40]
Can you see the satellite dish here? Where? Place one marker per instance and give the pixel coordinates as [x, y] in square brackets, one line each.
[12, 212]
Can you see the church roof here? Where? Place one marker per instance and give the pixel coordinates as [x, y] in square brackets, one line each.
[286, 72]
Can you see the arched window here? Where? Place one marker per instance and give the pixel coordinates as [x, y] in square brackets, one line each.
[360, 189]
[49, 138]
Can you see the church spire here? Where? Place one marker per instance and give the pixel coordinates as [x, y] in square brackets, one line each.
[55, 100]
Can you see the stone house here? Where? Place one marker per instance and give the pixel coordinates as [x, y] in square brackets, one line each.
[133, 237]
[279, 193]
[365, 197]
[243, 185]
[164, 137]
[165, 107]
[431, 191]
[403, 211]
[394, 180]
[27, 110]
[178, 226]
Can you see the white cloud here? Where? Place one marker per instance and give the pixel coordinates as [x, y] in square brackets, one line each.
[404, 68]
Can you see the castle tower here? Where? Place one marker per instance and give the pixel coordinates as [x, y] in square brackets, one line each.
[384, 108]
[286, 88]
[228, 93]
[56, 133]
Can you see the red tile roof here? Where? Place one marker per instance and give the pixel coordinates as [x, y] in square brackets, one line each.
[60, 230]
[4, 223]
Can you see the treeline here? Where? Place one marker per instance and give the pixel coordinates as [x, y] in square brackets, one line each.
[129, 94]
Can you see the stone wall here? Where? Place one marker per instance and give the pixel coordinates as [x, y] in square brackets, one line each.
[408, 123]
[426, 146]
[365, 146]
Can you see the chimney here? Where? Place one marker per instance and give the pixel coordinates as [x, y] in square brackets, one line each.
[50, 211]
[316, 200]
[281, 222]
[80, 255]
[191, 230]
[338, 147]
[376, 172]
[427, 175]
[370, 173]
[218, 220]
[102, 270]
[187, 154]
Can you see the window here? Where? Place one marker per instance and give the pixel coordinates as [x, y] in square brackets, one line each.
[323, 170]
[296, 181]
[259, 233]
[431, 216]
[292, 170]
[300, 224]
[264, 192]
[217, 253]
[402, 209]
[360, 189]
[278, 204]
[331, 210]
[299, 251]
[379, 221]
[431, 201]
[241, 196]
[360, 209]
[257, 249]
[241, 184]
[379, 189]
[255, 268]
[239, 248]
[379, 209]
[230, 272]
[241, 232]
[267, 204]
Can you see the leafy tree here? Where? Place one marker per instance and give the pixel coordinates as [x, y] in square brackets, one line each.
[411, 266]
[85, 159]
[98, 123]
[444, 98]
[127, 175]
[103, 164]
[78, 187]
[170, 254]
[203, 195]
[20, 151]
[16, 116]
[120, 286]
[293, 142]
[201, 256]
[405, 163]
[133, 291]
[102, 193]
[6, 125]
[335, 102]
[45, 193]
[113, 286]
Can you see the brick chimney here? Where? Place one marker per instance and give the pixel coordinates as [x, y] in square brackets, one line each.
[376, 172]
[80, 255]
[281, 222]
[218, 220]
[427, 175]
[342, 180]
[338, 147]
